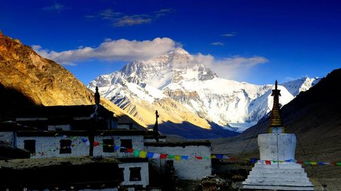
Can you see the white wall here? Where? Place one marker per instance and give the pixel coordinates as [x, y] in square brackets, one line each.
[144, 173]
[191, 169]
[50, 146]
[7, 137]
[152, 140]
[273, 146]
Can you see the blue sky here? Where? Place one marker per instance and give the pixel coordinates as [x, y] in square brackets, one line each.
[291, 38]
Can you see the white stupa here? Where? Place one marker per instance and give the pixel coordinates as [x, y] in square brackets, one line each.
[277, 169]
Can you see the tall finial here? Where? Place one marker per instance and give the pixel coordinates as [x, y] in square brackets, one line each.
[97, 96]
[276, 120]
[156, 126]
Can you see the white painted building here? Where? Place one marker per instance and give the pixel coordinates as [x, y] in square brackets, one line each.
[135, 172]
[45, 144]
[187, 169]
[67, 144]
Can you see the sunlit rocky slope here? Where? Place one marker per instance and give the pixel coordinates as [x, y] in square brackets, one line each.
[40, 80]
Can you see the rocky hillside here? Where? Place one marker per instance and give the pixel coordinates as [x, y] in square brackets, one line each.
[38, 81]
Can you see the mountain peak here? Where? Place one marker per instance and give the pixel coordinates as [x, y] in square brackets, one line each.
[300, 85]
[178, 51]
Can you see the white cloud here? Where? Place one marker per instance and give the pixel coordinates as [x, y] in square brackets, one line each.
[120, 19]
[229, 34]
[132, 20]
[112, 50]
[230, 67]
[217, 44]
[235, 67]
[54, 7]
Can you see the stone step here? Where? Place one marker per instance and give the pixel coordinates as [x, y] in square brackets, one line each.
[282, 166]
[267, 181]
[262, 187]
[279, 174]
[286, 179]
[278, 178]
[279, 170]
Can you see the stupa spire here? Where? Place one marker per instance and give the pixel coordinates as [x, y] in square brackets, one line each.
[156, 126]
[276, 120]
[97, 97]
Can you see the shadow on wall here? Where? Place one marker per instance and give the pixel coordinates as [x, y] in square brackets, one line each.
[190, 131]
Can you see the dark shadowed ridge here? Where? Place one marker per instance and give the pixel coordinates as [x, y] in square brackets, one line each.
[190, 131]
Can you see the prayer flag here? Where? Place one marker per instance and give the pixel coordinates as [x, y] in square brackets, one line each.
[198, 157]
[253, 160]
[156, 156]
[143, 154]
[313, 163]
[150, 155]
[177, 157]
[184, 157]
[171, 156]
[267, 162]
[136, 153]
[219, 156]
[163, 156]
[96, 143]
[130, 150]
[321, 163]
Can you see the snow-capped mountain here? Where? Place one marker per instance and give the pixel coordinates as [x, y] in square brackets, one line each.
[195, 88]
[300, 85]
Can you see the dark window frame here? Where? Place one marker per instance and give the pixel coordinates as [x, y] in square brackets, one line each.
[30, 145]
[65, 146]
[135, 174]
[108, 145]
[126, 144]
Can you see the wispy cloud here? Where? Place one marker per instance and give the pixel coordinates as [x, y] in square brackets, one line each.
[120, 19]
[109, 14]
[230, 67]
[57, 7]
[229, 34]
[217, 44]
[111, 50]
[132, 20]
[163, 12]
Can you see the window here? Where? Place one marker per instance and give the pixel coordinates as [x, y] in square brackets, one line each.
[108, 145]
[126, 144]
[30, 145]
[135, 174]
[65, 146]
